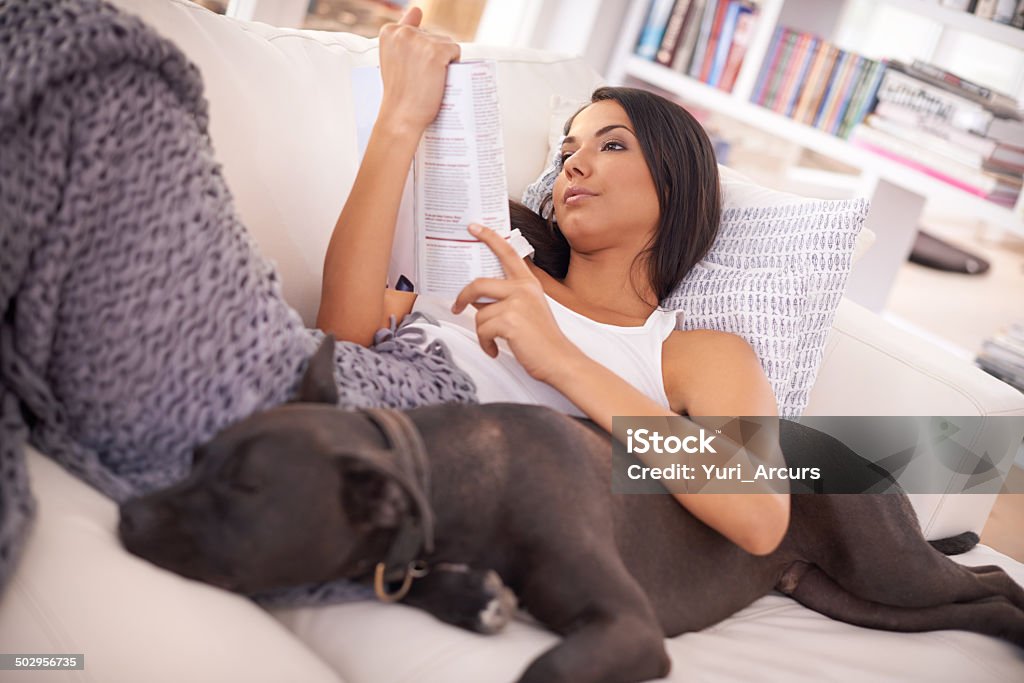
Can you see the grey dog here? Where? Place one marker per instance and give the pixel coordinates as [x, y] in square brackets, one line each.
[441, 501]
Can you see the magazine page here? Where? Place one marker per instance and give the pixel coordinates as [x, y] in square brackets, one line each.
[457, 178]
[460, 179]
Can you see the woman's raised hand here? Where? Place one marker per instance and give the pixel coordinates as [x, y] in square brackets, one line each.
[520, 314]
[413, 65]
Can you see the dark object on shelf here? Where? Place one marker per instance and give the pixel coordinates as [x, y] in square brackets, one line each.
[932, 252]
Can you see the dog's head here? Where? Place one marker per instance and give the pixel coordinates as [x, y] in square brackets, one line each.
[278, 499]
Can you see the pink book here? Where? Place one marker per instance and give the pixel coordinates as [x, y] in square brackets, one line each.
[918, 166]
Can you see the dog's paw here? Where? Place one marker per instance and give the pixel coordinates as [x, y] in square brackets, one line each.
[500, 609]
[473, 599]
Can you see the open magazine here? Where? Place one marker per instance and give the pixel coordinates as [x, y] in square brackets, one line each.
[457, 178]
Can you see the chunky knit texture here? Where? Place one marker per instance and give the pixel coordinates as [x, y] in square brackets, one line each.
[138, 318]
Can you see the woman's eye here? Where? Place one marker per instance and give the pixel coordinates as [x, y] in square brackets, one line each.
[564, 157]
[612, 145]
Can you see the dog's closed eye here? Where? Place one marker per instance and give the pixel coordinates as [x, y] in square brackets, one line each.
[240, 478]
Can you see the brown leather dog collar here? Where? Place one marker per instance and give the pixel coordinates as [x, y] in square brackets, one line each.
[414, 539]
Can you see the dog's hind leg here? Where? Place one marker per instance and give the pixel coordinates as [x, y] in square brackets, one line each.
[927, 578]
[994, 615]
[999, 582]
[610, 631]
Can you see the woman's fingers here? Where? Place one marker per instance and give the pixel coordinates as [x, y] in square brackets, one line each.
[510, 261]
[412, 17]
[413, 66]
[487, 333]
[480, 288]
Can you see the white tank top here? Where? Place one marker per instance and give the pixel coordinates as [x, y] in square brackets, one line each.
[632, 353]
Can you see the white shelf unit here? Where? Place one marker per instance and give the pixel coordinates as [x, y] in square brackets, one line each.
[1001, 33]
[897, 192]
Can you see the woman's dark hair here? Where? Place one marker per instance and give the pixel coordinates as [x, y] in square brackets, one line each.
[682, 163]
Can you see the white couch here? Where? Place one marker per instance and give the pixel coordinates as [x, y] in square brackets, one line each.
[282, 125]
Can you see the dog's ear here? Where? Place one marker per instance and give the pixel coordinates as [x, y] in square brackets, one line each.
[317, 384]
[370, 495]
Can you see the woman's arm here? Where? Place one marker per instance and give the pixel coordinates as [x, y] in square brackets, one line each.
[755, 522]
[353, 305]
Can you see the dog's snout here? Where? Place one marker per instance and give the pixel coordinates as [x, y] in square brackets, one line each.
[198, 454]
[138, 517]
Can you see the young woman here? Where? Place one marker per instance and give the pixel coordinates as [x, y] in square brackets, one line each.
[636, 205]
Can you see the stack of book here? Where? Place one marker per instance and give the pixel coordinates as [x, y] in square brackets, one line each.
[814, 82]
[1002, 11]
[704, 39]
[1003, 356]
[949, 128]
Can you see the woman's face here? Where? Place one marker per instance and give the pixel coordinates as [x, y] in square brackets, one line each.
[605, 196]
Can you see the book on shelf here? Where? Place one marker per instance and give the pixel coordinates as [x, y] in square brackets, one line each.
[705, 39]
[863, 97]
[830, 99]
[1001, 11]
[708, 63]
[814, 89]
[815, 83]
[769, 64]
[691, 29]
[843, 89]
[943, 105]
[932, 101]
[673, 36]
[998, 188]
[741, 38]
[1007, 131]
[1000, 104]
[726, 37]
[457, 178]
[654, 28]
[1003, 355]
[985, 9]
[922, 137]
[1009, 158]
[700, 48]
[778, 65]
[1004, 11]
[795, 73]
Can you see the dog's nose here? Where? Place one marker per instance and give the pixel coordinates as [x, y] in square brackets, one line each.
[137, 517]
[198, 454]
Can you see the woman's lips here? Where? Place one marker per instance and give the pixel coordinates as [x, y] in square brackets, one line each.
[575, 195]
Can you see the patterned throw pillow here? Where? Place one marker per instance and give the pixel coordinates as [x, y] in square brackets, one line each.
[774, 276]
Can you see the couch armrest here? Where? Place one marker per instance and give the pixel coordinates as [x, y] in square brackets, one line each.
[874, 368]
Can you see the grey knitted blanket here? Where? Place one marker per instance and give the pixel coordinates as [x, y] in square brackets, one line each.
[138, 318]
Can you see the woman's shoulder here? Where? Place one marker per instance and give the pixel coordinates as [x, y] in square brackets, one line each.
[696, 345]
[699, 364]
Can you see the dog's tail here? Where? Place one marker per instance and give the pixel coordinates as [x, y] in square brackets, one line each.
[955, 545]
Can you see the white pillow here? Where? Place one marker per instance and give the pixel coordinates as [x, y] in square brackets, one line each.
[774, 276]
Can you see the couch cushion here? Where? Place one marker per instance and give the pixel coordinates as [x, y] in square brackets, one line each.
[283, 125]
[76, 590]
[774, 635]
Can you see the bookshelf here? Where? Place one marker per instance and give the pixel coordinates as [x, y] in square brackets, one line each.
[963, 21]
[898, 193]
